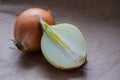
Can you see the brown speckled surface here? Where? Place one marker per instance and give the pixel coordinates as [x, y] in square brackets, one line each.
[99, 21]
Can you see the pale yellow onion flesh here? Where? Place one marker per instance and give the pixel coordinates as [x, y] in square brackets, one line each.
[63, 45]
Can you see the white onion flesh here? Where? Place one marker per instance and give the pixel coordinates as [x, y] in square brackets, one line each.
[63, 45]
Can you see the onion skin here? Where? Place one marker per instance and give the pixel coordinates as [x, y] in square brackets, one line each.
[28, 30]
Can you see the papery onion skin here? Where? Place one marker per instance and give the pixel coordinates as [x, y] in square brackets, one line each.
[28, 30]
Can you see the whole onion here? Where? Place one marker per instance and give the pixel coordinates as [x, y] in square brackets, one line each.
[28, 30]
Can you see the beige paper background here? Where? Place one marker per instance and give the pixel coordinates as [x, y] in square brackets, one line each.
[99, 21]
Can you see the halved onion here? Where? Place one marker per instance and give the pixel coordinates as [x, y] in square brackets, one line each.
[63, 45]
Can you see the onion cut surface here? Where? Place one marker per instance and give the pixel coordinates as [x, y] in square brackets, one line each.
[63, 45]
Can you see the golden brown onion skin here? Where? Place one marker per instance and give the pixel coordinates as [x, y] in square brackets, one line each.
[28, 30]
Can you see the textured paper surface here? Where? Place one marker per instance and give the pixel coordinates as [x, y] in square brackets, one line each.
[99, 21]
